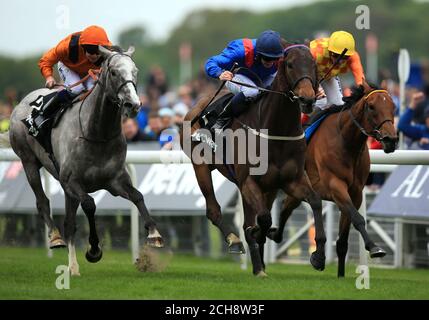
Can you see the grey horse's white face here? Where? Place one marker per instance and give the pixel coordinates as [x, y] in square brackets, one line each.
[120, 78]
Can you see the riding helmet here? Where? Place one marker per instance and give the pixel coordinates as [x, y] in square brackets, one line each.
[269, 44]
[340, 40]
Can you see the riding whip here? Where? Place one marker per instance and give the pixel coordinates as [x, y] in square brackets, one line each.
[234, 66]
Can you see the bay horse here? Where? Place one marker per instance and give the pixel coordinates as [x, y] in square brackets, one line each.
[89, 150]
[338, 163]
[278, 110]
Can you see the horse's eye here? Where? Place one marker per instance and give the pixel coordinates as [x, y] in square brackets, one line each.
[290, 65]
[113, 73]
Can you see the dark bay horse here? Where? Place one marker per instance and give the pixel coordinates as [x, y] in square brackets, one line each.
[90, 151]
[278, 112]
[338, 163]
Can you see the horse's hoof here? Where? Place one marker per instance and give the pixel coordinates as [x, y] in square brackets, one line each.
[317, 261]
[57, 243]
[377, 252]
[261, 274]
[94, 257]
[155, 242]
[74, 271]
[236, 248]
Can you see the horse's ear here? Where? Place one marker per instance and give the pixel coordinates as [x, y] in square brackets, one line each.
[104, 52]
[284, 42]
[366, 86]
[130, 51]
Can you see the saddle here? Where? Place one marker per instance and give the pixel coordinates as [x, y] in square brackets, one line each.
[317, 118]
[50, 122]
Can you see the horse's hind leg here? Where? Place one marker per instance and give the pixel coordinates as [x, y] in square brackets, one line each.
[33, 176]
[213, 212]
[70, 231]
[289, 205]
[123, 187]
[342, 243]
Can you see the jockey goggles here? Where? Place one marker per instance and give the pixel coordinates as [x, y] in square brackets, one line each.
[90, 48]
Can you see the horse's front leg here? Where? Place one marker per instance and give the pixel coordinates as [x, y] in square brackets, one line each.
[290, 204]
[254, 207]
[213, 212]
[70, 231]
[73, 188]
[344, 202]
[302, 190]
[123, 187]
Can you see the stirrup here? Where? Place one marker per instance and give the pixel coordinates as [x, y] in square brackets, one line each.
[220, 124]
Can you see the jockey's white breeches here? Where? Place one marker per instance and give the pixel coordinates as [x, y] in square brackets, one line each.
[333, 92]
[70, 77]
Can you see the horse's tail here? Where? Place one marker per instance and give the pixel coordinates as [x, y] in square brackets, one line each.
[4, 140]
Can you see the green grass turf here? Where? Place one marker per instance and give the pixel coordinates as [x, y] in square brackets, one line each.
[28, 274]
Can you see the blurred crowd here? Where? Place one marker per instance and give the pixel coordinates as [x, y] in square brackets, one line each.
[163, 108]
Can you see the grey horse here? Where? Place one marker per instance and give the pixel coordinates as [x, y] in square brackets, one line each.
[89, 150]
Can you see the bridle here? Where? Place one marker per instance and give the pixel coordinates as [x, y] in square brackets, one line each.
[288, 93]
[314, 83]
[116, 101]
[375, 131]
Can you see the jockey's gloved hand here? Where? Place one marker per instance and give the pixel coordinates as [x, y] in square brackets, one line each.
[226, 76]
[50, 82]
[320, 94]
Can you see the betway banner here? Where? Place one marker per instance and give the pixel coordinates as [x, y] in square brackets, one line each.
[167, 189]
[404, 194]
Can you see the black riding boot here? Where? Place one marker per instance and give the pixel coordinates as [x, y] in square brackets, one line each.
[45, 114]
[235, 107]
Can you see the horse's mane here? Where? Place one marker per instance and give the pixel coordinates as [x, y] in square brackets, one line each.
[357, 93]
[115, 48]
[285, 43]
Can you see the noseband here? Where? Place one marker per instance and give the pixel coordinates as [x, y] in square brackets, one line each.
[375, 132]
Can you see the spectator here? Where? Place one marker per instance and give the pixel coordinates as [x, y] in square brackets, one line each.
[184, 104]
[142, 116]
[157, 81]
[419, 132]
[419, 117]
[132, 132]
[5, 112]
[180, 111]
[153, 128]
[375, 179]
[169, 130]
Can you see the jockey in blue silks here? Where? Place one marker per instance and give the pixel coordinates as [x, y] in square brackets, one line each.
[260, 55]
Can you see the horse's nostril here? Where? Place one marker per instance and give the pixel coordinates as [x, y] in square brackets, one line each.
[128, 105]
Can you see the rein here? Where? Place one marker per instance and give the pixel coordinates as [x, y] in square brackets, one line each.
[289, 94]
[375, 132]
